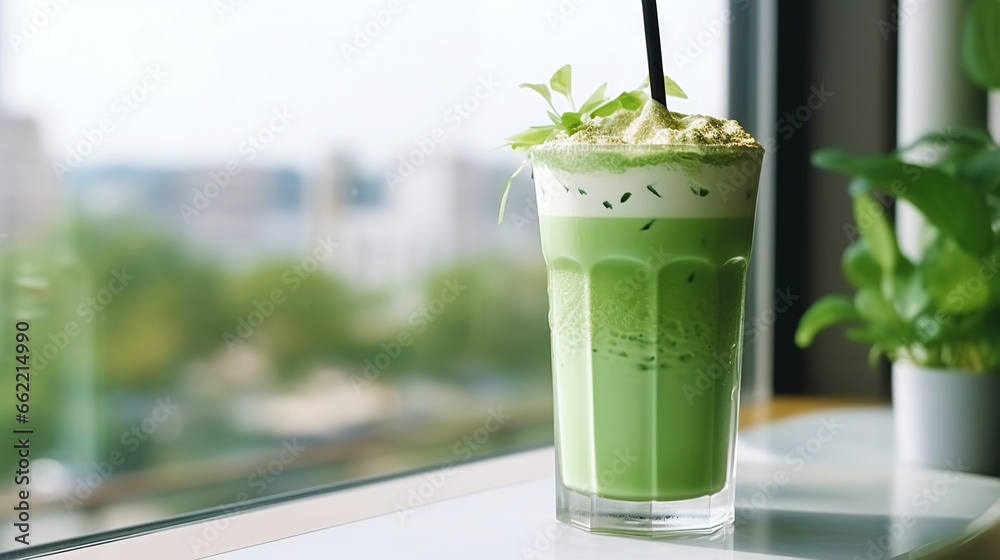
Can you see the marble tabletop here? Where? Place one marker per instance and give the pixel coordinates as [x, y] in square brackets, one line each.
[819, 486]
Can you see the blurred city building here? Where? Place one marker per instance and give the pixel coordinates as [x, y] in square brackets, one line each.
[255, 213]
[29, 196]
[392, 233]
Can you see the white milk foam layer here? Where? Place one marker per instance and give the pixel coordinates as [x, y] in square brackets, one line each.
[714, 192]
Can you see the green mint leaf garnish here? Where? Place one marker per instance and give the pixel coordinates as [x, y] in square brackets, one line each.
[542, 90]
[562, 82]
[633, 100]
[531, 137]
[674, 90]
[506, 190]
[571, 121]
[598, 105]
[671, 87]
[607, 108]
[595, 99]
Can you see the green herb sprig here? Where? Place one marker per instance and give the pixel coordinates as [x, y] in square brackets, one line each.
[596, 106]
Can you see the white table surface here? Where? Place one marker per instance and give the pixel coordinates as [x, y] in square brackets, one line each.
[836, 499]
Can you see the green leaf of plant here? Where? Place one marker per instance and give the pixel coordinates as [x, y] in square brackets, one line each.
[595, 99]
[824, 313]
[872, 305]
[673, 90]
[532, 137]
[970, 135]
[607, 108]
[905, 290]
[506, 190]
[949, 204]
[991, 270]
[883, 340]
[562, 82]
[952, 278]
[859, 267]
[556, 119]
[874, 354]
[950, 148]
[633, 100]
[869, 334]
[981, 43]
[870, 218]
[542, 90]
[982, 171]
[571, 121]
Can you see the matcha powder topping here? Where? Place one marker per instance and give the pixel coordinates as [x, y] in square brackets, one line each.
[654, 125]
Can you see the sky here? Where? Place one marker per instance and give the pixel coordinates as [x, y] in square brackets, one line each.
[372, 79]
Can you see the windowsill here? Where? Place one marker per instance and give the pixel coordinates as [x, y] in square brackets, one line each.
[502, 503]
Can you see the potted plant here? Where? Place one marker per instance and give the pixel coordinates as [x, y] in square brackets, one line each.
[936, 317]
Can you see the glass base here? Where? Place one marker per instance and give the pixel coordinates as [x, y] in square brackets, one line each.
[697, 516]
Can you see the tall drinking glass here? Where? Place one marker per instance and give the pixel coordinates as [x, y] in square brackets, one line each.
[647, 250]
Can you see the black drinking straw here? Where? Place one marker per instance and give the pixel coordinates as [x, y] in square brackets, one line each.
[654, 53]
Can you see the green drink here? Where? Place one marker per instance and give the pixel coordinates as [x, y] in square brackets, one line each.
[647, 248]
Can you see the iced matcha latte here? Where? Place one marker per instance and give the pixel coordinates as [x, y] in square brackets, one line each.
[646, 224]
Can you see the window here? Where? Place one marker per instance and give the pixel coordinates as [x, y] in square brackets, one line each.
[256, 245]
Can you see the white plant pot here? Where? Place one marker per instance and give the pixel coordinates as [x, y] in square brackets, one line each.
[947, 418]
